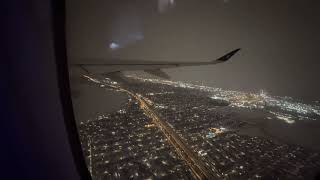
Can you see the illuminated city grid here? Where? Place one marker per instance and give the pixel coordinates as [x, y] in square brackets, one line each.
[124, 145]
[290, 109]
[127, 144]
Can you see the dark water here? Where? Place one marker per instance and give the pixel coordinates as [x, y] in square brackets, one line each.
[90, 100]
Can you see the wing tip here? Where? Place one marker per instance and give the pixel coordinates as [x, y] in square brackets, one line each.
[228, 55]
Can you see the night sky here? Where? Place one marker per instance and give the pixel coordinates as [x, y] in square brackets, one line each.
[280, 40]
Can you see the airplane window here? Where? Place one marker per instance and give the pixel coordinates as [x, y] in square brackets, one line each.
[188, 89]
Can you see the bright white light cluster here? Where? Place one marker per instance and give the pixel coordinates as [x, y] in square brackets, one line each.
[285, 117]
[283, 108]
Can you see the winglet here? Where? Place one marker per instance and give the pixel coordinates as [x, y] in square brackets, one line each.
[228, 56]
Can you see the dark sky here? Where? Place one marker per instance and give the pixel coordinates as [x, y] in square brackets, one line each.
[280, 40]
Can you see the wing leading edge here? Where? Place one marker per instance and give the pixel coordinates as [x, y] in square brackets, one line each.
[151, 67]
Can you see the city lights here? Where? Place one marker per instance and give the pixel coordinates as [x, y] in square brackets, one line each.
[281, 107]
[177, 129]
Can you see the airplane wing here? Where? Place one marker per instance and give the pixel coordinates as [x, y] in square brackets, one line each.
[100, 66]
